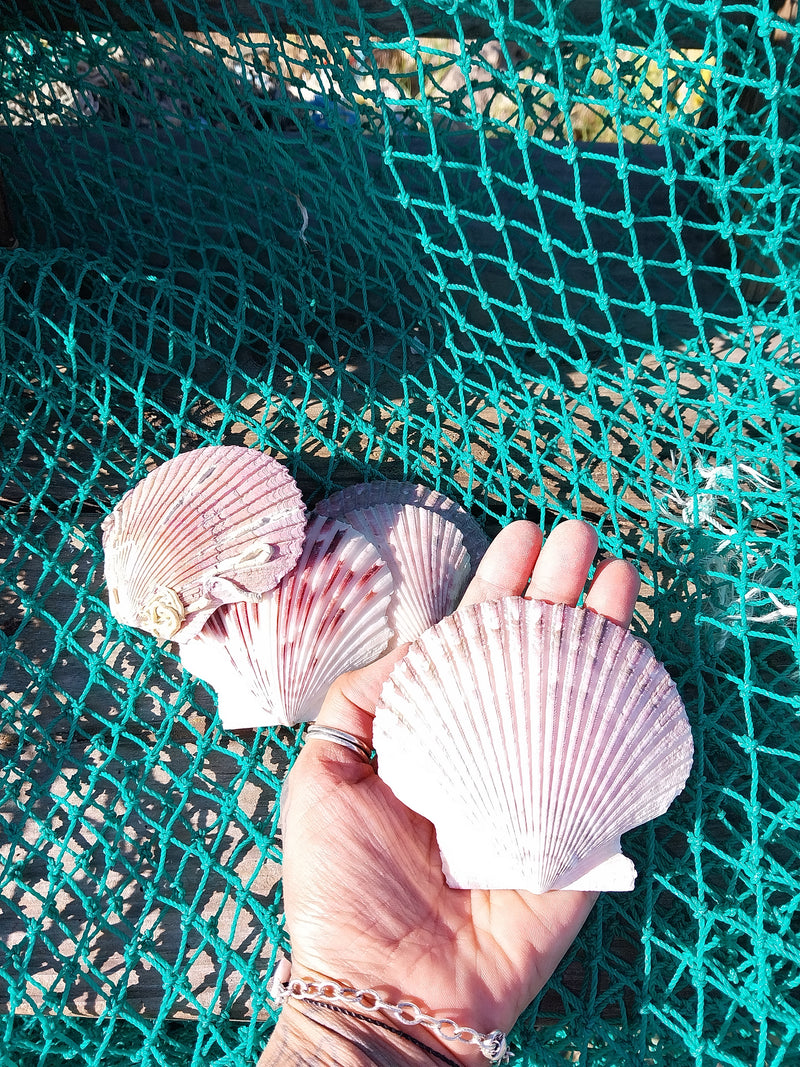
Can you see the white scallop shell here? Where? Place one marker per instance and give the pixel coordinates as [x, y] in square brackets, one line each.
[272, 662]
[213, 526]
[369, 494]
[532, 736]
[426, 556]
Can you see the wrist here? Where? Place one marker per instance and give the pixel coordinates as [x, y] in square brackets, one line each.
[361, 1011]
[308, 1033]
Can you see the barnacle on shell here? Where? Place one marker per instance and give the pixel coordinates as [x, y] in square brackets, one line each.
[213, 526]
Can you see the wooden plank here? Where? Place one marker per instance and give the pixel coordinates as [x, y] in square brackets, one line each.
[132, 826]
[629, 25]
[129, 883]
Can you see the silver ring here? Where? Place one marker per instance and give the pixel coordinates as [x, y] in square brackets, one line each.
[339, 737]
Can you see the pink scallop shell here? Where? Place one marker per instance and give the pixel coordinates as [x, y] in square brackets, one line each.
[369, 494]
[429, 564]
[272, 662]
[214, 526]
[532, 736]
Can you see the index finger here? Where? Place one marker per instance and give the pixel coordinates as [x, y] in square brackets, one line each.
[506, 567]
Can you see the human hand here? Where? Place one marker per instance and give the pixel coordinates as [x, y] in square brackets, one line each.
[366, 902]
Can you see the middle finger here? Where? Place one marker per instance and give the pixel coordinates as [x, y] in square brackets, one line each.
[562, 567]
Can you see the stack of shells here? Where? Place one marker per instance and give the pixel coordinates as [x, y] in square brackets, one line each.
[532, 736]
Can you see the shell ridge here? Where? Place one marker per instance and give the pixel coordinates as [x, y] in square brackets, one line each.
[514, 734]
[213, 655]
[365, 521]
[573, 736]
[311, 608]
[279, 666]
[626, 770]
[420, 592]
[452, 570]
[623, 754]
[399, 693]
[341, 635]
[298, 614]
[669, 770]
[413, 538]
[609, 724]
[411, 612]
[263, 620]
[562, 659]
[465, 732]
[591, 664]
[520, 739]
[319, 593]
[243, 620]
[302, 610]
[445, 732]
[496, 669]
[580, 644]
[506, 623]
[542, 693]
[561, 653]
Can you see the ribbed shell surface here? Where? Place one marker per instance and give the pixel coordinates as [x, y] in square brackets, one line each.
[272, 662]
[214, 526]
[532, 736]
[370, 494]
[426, 555]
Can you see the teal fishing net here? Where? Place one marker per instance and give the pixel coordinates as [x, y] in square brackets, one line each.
[540, 256]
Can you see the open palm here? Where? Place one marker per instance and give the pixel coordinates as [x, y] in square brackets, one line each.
[366, 901]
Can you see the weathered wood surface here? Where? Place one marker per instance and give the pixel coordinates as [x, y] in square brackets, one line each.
[681, 28]
[130, 834]
[101, 896]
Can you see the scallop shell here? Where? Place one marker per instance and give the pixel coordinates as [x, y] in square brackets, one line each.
[272, 662]
[358, 497]
[532, 736]
[213, 526]
[429, 564]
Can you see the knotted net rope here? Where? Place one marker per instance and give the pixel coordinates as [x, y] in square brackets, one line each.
[541, 257]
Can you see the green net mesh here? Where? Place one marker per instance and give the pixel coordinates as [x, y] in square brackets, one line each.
[540, 256]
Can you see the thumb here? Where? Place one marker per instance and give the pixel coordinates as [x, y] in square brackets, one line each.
[349, 706]
[350, 702]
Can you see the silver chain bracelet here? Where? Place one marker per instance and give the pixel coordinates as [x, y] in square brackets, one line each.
[493, 1046]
